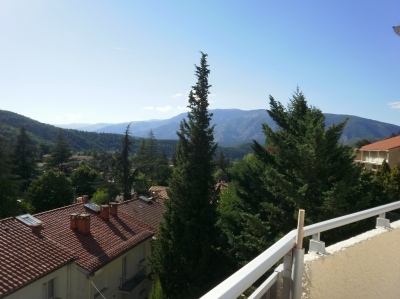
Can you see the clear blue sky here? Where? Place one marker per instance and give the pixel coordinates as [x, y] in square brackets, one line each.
[116, 61]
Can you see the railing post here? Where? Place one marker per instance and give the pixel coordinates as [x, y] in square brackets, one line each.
[286, 277]
[381, 221]
[298, 259]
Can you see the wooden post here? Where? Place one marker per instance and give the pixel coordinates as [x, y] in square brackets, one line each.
[300, 226]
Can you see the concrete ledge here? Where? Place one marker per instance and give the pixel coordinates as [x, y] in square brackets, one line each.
[365, 266]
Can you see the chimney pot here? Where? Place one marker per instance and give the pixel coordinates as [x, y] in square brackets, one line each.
[104, 212]
[84, 223]
[114, 208]
[85, 198]
[74, 221]
[36, 228]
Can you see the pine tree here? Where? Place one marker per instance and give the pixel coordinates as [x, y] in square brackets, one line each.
[186, 256]
[61, 152]
[23, 159]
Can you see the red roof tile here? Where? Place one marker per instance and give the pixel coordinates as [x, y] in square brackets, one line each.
[148, 213]
[107, 239]
[160, 190]
[25, 255]
[383, 145]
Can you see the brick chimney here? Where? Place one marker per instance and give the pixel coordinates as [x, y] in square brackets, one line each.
[84, 223]
[114, 208]
[104, 212]
[85, 198]
[74, 221]
[36, 228]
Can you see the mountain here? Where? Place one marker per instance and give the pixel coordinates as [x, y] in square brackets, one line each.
[234, 126]
[82, 140]
[234, 131]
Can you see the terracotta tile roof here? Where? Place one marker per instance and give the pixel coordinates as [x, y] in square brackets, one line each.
[148, 213]
[383, 145]
[161, 190]
[107, 239]
[25, 256]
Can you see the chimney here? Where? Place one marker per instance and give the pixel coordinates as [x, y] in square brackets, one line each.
[84, 223]
[114, 208]
[74, 221]
[104, 212]
[36, 227]
[85, 198]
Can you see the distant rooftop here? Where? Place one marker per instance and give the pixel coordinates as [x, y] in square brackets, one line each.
[386, 144]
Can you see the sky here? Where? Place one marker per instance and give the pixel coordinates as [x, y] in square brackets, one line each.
[98, 61]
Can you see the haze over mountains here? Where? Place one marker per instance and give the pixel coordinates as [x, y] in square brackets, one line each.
[234, 126]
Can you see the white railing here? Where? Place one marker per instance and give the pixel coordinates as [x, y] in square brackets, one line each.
[236, 284]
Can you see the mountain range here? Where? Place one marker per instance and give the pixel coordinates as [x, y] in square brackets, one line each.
[234, 126]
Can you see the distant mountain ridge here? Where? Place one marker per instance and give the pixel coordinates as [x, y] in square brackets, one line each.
[234, 126]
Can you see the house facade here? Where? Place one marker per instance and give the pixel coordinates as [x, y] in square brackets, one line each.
[372, 155]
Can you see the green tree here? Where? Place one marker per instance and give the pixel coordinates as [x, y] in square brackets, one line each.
[186, 255]
[301, 165]
[61, 152]
[51, 191]
[156, 290]
[124, 164]
[23, 159]
[84, 179]
[8, 188]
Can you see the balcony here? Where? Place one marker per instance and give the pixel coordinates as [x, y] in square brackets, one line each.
[127, 285]
[365, 266]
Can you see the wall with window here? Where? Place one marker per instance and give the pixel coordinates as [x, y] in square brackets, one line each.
[107, 279]
[53, 285]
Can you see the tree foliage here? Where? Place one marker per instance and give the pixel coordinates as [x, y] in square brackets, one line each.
[61, 152]
[84, 179]
[24, 159]
[8, 188]
[187, 246]
[124, 164]
[302, 165]
[51, 191]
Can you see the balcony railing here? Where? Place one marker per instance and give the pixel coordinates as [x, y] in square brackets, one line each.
[127, 285]
[240, 281]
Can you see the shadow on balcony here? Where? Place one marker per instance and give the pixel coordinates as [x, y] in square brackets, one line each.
[127, 285]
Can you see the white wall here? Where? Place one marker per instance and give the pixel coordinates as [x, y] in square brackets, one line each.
[366, 266]
[35, 289]
[109, 275]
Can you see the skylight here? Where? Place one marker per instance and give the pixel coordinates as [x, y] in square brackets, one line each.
[144, 198]
[92, 206]
[29, 220]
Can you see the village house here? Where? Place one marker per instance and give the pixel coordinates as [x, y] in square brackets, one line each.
[80, 251]
[372, 155]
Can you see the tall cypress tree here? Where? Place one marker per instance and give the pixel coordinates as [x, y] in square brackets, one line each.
[23, 159]
[124, 164]
[186, 257]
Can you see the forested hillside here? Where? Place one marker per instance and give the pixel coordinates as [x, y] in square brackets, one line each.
[81, 141]
[234, 126]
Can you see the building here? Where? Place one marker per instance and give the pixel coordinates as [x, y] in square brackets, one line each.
[80, 251]
[372, 155]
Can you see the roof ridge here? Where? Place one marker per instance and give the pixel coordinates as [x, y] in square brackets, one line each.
[59, 209]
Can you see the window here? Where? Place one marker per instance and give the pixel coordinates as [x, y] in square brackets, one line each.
[48, 289]
[124, 267]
